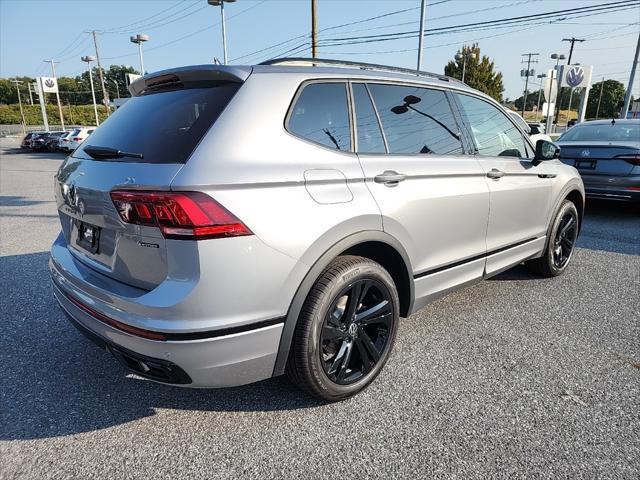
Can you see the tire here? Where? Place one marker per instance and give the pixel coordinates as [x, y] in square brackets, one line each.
[331, 355]
[552, 263]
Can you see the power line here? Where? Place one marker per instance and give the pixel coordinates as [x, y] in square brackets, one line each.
[509, 20]
[179, 39]
[159, 22]
[137, 23]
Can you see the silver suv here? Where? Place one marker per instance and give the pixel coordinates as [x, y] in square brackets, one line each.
[233, 223]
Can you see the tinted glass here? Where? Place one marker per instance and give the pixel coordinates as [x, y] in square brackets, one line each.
[624, 132]
[164, 126]
[321, 115]
[495, 135]
[520, 121]
[369, 135]
[416, 120]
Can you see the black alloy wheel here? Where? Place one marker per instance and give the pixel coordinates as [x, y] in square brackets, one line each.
[356, 331]
[565, 239]
[345, 330]
[561, 240]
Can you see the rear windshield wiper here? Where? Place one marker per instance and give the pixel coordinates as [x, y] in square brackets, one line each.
[107, 152]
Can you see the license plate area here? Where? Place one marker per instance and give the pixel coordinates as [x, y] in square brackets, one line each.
[88, 236]
[586, 164]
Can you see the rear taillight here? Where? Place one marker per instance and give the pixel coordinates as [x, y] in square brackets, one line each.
[179, 215]
[633, 159]
[76, 139]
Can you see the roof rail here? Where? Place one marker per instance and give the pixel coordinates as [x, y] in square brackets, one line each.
[345, 63]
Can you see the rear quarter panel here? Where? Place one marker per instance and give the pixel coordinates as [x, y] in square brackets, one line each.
[297, 197]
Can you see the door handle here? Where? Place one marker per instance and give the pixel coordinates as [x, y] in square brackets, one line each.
[389, 178]
[495, 174]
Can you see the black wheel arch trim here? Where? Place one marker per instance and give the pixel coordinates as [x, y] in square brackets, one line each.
[314, 272]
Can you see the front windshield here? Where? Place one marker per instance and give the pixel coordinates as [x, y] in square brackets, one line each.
[605, 132]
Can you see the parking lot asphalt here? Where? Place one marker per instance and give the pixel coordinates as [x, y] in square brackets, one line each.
[517, 376]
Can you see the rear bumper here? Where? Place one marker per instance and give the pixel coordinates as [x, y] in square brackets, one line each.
[624, 188]
[220, 361]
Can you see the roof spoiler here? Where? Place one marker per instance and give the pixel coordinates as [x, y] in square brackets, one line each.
[192, 73]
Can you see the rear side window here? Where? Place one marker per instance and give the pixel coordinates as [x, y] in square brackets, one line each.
[416, 120]
[369, 135]
[494, 134]
[321, 115]
[164, 126]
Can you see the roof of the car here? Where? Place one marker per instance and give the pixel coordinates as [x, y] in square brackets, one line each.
[311, 68]
[329, 68]
[611, 122]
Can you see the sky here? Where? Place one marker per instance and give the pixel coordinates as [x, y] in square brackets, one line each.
[189, 32]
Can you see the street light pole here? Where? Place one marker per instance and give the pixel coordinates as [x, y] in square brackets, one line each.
[220, 3]
[464, 56]
[89, 59]
[140, 39]
[555, 75]
[117, 88]
[423, 11]
[599, 99]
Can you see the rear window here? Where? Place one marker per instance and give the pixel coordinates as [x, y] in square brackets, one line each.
[321, 115]
[624, 132]
[163, 126]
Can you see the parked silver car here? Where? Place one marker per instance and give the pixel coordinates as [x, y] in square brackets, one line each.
[233, 223]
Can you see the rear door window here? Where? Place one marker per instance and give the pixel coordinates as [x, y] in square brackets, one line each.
[321, 115]
[416, 120]
[165, 126]
[370, 138]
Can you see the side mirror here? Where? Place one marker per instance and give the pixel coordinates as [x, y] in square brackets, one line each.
[545, 151]
[534, 130]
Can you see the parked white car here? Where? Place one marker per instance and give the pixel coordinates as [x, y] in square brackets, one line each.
[525, 126]
[78, 136]
[63, 141]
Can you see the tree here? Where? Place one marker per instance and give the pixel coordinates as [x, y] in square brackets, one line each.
[117, 74]
[479, 72]
[532, 100]
[612, 96]
[69, 88]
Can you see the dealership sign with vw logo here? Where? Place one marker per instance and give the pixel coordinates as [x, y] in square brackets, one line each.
[49, 84]
[574, 76]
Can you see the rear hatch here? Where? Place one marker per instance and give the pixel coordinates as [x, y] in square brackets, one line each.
[602, 148]
[142, 146]
[599, 158]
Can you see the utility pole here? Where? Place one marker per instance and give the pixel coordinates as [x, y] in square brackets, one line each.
[105, 94]
[573, 40]
[527, 73]
[30, 97]
[423, 11]
[627, 97]
[89, 59]
[540, 76]
[24, 122]
[314, 28]
[599, 99]
[53, 71]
